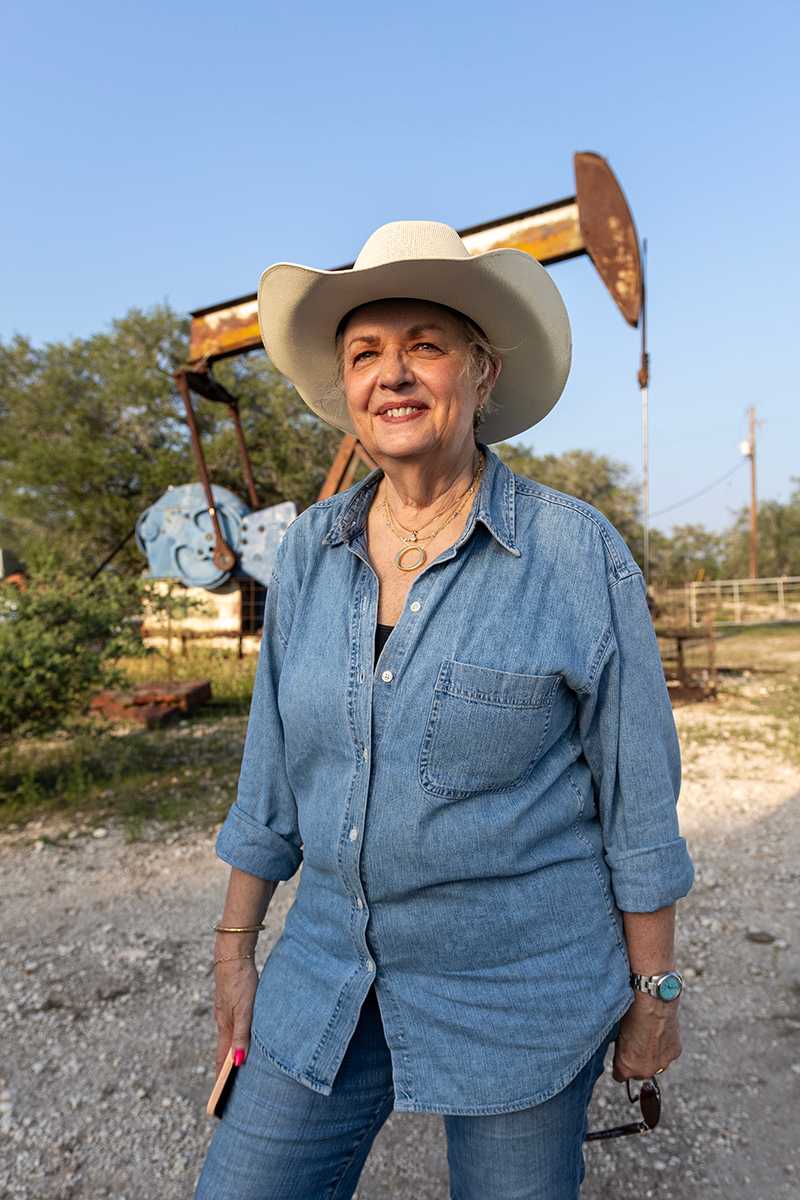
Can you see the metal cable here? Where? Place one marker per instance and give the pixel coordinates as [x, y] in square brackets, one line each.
[702, 491]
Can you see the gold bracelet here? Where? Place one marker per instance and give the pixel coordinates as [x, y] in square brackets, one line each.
[232, 958]
[237, 928]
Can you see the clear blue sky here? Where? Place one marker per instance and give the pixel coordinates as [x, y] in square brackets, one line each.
[170, 151]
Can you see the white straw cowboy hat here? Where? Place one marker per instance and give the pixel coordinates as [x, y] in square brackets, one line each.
[506, 292]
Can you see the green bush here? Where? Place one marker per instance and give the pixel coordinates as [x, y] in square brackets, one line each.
[60, 640]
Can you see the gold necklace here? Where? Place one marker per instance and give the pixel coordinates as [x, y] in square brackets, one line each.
[414, 537]
[399, 525]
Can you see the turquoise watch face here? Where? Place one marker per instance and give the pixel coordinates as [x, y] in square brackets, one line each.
[670, 988]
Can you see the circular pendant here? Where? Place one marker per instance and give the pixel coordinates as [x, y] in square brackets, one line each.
[419, 560]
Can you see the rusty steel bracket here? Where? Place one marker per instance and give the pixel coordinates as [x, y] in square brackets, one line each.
[204, 383]
[223, 557]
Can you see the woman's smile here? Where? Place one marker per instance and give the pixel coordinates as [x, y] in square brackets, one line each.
[396, 416]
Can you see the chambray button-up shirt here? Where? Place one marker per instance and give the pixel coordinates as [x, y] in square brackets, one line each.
[473, 812]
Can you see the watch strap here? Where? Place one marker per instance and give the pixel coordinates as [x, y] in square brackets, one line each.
[651, 984]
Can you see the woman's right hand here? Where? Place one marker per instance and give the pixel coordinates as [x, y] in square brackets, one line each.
[235, 986]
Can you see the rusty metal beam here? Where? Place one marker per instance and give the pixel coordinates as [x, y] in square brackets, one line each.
[596, 221]
[338, 469]
[344, 465]
[204, 383]
[609, 234]
[223, 557]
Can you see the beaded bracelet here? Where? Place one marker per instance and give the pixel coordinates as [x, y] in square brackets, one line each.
[233, 958]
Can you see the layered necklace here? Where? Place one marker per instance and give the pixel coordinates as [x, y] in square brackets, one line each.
[413, 555]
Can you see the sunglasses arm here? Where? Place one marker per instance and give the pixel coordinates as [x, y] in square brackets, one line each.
[602, 1135]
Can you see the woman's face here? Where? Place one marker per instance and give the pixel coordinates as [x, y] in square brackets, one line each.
[405, 377]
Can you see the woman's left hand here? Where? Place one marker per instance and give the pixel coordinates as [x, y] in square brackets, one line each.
[648, 1040]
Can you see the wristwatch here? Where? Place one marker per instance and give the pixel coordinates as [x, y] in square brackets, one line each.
[664, 987]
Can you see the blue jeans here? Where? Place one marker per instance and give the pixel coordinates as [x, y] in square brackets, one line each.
[279, 1140]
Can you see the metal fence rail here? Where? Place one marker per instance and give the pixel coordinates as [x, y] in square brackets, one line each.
[734, 601]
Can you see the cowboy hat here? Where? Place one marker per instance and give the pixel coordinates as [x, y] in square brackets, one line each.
[506, 292]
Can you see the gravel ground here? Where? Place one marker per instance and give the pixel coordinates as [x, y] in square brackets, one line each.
[102, 1094]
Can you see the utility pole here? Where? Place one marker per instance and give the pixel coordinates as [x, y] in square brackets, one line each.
[748, 449]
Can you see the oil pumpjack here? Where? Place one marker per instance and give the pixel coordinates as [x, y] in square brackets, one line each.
[205, 535]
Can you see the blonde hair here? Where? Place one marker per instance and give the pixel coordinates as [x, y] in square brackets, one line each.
[481, 362]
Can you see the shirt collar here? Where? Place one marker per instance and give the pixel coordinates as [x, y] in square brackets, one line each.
[495, 507]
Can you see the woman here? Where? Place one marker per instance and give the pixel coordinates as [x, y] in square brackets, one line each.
[460, 727]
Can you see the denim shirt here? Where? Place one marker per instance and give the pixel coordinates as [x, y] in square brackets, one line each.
[472, 814]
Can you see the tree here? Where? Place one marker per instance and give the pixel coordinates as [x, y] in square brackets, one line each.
[60, 640]
[90, 433]
[93, 431]
[690, 552]
[778, 539]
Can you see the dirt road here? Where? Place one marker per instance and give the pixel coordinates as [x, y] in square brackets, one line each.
[106, 946]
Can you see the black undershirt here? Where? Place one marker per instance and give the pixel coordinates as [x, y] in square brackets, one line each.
[381, 634]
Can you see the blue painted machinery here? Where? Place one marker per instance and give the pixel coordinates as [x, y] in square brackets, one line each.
[177, 536]
[202, 534]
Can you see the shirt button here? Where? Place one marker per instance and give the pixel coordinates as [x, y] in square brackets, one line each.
[387, 676]
[370, 965]
[365, 754]
[415, 606]
[359, 902]
[353, 833]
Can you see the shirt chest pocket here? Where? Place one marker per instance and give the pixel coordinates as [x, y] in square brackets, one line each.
[485, 729]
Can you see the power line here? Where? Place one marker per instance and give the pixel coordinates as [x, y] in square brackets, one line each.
[702, 491]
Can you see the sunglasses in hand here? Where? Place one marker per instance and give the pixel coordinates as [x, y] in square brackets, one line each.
[649, 1097]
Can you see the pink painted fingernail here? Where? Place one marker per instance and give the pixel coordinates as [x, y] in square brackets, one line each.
[238, 1057]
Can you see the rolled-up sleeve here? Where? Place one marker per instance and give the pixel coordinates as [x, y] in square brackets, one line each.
[630, 742]
[260, 833]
